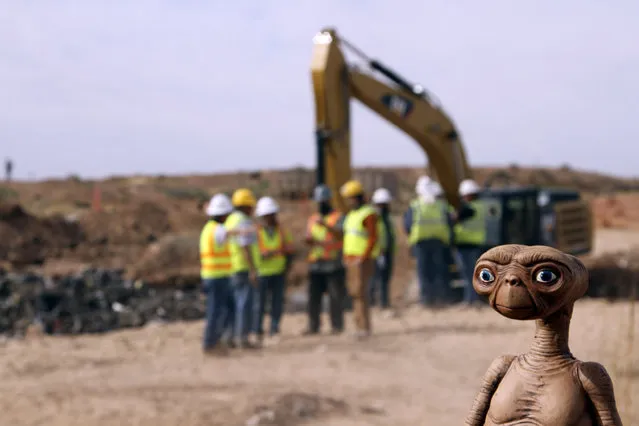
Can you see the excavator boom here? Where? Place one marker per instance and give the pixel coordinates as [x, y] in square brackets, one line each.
[516, 215]
[401, 103]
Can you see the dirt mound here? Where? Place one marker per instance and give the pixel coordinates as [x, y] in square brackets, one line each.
[131, 224]
[28, 240]
[174, 259]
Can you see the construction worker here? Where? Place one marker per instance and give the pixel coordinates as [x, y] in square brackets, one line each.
[362, 228]
[384, 262]
[470, 234]
[324, 234]
[425, 223]
[440, 198]
[244, 250]
[215, 271]
[275, 254]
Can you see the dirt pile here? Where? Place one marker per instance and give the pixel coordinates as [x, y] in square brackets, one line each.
[28, 240]
[131, 224]
[174, 259]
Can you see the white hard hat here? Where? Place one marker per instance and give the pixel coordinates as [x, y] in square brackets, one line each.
[322, 193]
[421, 187]
[266, 206]
[219, 205]
[382, 196]
[468, 187]
[435, 189]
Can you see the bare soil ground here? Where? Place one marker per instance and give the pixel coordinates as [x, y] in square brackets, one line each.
[423, 369]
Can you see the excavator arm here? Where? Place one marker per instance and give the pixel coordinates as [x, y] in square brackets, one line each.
[407, 106]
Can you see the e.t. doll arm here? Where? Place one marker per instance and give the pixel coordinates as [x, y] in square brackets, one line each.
[598, 385]
[492, 378]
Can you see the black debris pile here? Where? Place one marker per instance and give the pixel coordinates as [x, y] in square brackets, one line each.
[94, 301]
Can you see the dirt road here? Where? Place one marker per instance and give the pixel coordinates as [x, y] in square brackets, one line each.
[423, 370]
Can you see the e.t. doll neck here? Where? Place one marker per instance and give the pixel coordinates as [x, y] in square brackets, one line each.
[550, 344]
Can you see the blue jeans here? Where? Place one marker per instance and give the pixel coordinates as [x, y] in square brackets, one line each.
[273, 286]
[432, 271]
[243, 294]
[218, 316]
[468, 256]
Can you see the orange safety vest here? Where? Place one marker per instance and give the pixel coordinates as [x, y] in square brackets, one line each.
[215, 259]
[330, 246]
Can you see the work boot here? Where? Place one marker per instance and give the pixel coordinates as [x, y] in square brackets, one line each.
[309, 332]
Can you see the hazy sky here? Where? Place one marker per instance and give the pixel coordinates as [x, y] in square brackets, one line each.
[137, 86]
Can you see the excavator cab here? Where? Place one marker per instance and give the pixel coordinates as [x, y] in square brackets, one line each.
[538, 216]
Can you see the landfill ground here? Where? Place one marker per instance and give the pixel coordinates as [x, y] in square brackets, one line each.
[420, 369]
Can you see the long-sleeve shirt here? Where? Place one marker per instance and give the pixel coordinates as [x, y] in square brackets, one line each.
[245, 239]
[370, 224]
[220, 234]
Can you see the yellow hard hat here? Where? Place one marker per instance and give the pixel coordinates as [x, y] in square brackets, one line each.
[352, 188]
[243, 197]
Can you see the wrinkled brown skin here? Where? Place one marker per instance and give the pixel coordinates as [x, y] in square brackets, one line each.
[546, 386]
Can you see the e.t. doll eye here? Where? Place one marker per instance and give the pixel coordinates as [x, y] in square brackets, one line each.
[486, 276]
[546, 276]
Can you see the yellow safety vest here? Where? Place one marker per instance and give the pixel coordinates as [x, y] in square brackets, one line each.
[215, 259]
[429, 221]
[238, 261]
[278, 241]
[331, 247]
[473, 230]
[355, 234]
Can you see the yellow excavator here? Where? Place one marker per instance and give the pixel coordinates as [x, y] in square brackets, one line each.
[518, 215]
